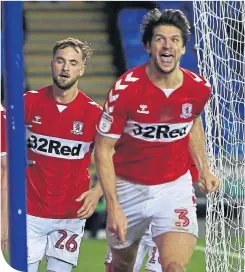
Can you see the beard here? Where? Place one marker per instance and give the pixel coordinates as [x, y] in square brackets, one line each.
[64, 85]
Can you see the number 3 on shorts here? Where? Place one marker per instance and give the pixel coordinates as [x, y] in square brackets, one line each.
[183, 220]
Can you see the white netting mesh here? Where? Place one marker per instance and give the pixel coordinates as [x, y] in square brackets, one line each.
[220, 42]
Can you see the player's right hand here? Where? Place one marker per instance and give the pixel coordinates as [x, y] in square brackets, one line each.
[117, 222]
[91, 199]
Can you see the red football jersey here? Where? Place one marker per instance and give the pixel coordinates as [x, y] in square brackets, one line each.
[61, 141]
[152, 125]
[3, 132]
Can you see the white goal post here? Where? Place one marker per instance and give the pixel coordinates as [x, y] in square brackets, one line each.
[220, 43]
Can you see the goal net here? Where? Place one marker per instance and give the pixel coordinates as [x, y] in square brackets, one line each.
[220, 43]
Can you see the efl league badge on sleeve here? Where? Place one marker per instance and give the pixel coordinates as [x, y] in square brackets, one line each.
[105, 122]
[77, 128]
[186, 111]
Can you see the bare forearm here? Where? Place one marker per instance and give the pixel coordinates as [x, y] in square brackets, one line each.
[106, 173]
[197, 146]
[98, 189]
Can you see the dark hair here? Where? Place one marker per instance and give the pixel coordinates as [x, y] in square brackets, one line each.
[173, 17]
[75, 43]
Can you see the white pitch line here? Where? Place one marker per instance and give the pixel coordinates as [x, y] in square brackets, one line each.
[234, 255]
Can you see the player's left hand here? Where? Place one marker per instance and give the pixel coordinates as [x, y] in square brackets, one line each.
[90, 199]
[208, 182]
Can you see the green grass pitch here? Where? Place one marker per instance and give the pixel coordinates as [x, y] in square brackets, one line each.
[92, 255]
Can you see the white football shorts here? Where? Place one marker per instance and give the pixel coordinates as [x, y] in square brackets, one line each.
[146, 247]
[149, 248]
[58, 238]
[153, 262]
[167, 207]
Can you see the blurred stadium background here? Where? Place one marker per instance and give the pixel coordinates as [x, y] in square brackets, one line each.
[113, 30]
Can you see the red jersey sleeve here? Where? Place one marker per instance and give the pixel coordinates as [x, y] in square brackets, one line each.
[96, 110]
[201, 89]
[3, 132]
[29, 98]
[114, 115]
[205, 94]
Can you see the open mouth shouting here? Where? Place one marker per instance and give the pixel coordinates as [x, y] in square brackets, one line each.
[166, 58]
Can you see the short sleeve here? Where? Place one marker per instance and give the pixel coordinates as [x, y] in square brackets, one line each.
[97, 110]
[114, 115]
[29, 98]
[116, 110]
[205, 94]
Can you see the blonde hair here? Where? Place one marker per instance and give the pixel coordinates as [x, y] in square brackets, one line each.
[85, 47]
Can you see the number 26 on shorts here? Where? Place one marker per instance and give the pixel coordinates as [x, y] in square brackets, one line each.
[70, 244]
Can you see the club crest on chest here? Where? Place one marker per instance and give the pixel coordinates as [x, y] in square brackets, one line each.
[77, 128]
[186, 111]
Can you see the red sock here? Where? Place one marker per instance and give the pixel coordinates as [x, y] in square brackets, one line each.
[109, 267]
